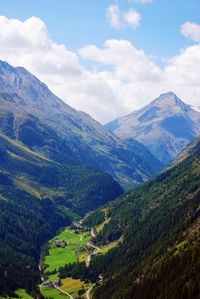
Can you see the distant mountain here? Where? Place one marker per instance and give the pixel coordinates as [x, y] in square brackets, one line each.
[159, 228]
[165, 126]
[32, 114]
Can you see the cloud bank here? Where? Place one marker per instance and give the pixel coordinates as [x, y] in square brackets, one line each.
[124, 78]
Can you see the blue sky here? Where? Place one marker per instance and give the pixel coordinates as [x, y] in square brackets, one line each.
[106, 57]
[80, 22]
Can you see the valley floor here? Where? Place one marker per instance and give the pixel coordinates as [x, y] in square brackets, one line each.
[67, 247]
[71, 246]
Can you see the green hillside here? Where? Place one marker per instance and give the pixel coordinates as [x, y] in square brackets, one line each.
[37, 197]
[160, 224]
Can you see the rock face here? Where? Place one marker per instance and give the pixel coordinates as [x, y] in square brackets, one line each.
[165, 126]
[32, 114]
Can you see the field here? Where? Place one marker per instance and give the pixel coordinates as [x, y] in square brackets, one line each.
[73, 245]
[52, 293]
[72, 286]
[68, 247]
[58, 256]
[21, 295]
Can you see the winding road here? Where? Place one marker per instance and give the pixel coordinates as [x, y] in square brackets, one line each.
[90, 244]
[88, 293]
[93, 234]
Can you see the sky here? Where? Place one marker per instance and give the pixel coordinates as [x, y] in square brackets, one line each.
[106, 57]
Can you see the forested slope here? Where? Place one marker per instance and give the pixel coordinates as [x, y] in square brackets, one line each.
[159, 256]
[36, 199]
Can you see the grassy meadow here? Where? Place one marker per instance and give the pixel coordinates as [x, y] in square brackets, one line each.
[58, 256]
[20, 294]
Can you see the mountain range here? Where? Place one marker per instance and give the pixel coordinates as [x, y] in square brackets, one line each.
[32, 114]
[57, 164]
[165, 126]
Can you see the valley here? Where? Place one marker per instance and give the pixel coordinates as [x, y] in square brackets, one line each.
[72, 245]
[89, 213]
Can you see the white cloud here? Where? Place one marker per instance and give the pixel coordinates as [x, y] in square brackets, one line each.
[113, 16]
[132, 18]
[118, 19]
[191, 31]
[128, 78]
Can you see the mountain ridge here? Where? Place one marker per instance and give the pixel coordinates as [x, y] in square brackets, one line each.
[165, 126]
[29, 108]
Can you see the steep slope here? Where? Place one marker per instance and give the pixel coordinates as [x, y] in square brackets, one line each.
[76, 187]
[29, 112]
[165, 126]
[37, 197]
[159, 228]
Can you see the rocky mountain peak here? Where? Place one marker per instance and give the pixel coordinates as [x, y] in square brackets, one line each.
[170, 100]
[165, 126]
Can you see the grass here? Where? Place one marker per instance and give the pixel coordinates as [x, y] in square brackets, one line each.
[52, 293]
[109, 246]
[14, 156]
[101, 226]
[180, 247]
[23, 148]
[58, 257]
[53, 277]
[83, 257]
[28, 188]
[72, 286]
[70, 213]
[21, 294]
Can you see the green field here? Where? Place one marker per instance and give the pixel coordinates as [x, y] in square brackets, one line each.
[52, 293]
[74, 250]
[21, 295]
[58, 257]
